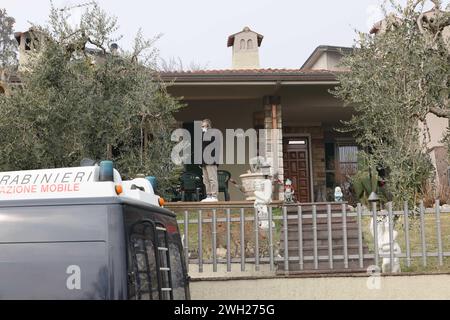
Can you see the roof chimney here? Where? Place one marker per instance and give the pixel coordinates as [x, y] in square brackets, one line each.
[245, 49]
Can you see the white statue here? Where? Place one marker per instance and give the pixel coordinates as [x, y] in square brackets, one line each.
[338, 195]
[384, 244]
[263, 195]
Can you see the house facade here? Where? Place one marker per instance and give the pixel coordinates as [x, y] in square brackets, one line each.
[306, 147]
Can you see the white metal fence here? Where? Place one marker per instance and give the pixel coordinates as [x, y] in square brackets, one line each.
[199, 227]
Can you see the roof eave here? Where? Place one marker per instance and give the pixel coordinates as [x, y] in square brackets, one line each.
[226, 79]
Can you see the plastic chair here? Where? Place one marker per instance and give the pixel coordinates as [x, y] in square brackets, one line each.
[223, 177]
[190, 186]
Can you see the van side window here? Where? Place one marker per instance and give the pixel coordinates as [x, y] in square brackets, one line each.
[178, 273]
[144, 282]
[150, 260]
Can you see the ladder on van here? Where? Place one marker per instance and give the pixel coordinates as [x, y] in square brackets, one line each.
[163, 263]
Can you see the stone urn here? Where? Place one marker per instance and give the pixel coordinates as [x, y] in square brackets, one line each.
[249, 180]
[248, 183]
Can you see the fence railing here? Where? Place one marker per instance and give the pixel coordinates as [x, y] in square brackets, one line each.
[313, 237]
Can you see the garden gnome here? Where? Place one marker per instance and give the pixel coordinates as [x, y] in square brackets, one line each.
[288, 191]
[209, 169]
[338, 196]
[263, 195]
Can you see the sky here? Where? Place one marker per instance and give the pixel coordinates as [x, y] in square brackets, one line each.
[196, 31]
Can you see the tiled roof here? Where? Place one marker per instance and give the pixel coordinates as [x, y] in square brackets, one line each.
[225, 75]
[247, 71]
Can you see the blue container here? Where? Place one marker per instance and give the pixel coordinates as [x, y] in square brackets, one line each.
[106, 171]
[153, 182]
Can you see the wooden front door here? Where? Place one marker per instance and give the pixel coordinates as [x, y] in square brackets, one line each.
[296, 167]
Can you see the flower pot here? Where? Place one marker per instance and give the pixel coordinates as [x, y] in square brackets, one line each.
[248, 183]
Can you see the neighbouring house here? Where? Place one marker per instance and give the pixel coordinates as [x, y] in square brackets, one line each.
[305, 147]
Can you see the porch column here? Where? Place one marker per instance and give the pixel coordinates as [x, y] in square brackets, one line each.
[274, 141]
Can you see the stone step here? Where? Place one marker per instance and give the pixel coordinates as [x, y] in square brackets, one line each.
[321, 242]
[321, 234]
[334, 227]
[308, 208]
[337, 242]
[323, 250]
[334, 220]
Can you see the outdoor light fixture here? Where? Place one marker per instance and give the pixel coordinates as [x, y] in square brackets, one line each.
[297, 142]
[373, 197]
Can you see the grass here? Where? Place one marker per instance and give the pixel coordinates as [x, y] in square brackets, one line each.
[416, 242]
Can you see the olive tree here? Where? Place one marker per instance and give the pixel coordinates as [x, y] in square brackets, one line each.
[396, 78]
[83, 97]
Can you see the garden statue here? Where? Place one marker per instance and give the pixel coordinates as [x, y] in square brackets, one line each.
[263, 197]
[338, 196]
[288, 192]
[258, 163]
[384, 244]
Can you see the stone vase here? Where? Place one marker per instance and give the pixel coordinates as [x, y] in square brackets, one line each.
[248, 184]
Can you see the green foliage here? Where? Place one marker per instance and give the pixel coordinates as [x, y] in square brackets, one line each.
[396, 79]
[367, 180]
[364, 181]
[78, 99]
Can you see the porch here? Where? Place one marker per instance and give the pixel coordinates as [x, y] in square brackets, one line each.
[305, 148]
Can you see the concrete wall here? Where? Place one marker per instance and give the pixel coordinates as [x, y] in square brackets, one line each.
[437, 127]
[321, 63]
[328, 61]
[354, 288]
[439, 156]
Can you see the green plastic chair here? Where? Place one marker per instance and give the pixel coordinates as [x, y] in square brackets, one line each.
[190, 186]
[223, 177]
